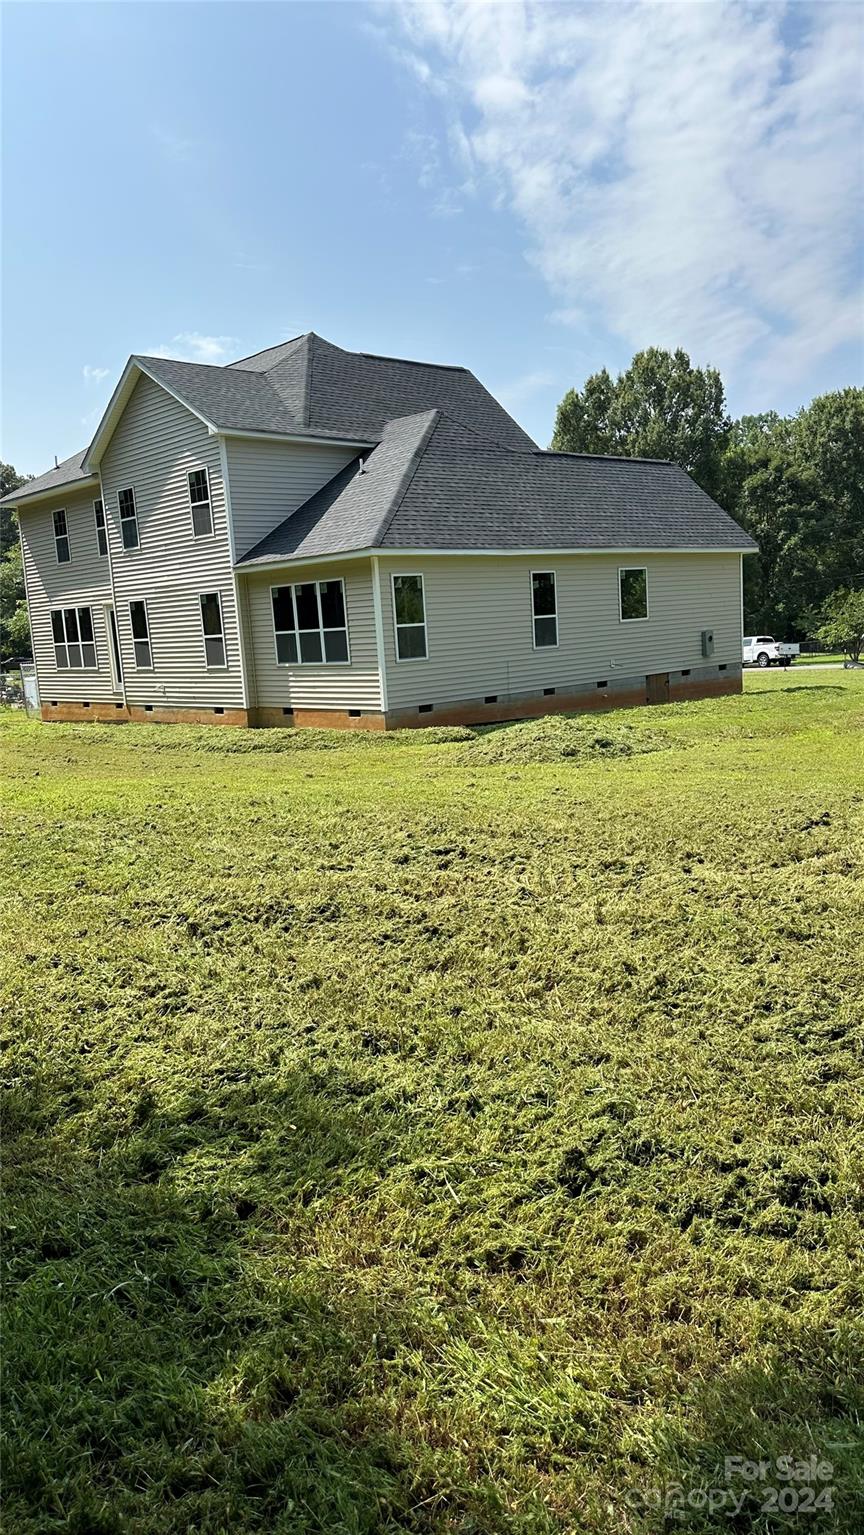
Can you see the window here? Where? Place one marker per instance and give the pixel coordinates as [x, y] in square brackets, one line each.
[409, 610]
[74, 645]
[633, 593]
[545, 608]
[128, 518]
[214, 634]
[309, 623]
[141, 636]
[199, 500]
[61, 539]
[101, 530]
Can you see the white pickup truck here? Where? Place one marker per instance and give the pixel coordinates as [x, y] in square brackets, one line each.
[762, 650]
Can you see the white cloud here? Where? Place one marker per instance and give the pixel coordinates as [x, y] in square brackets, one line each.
[686, 174]
[93, 375]
[520, 390]
[190, 346]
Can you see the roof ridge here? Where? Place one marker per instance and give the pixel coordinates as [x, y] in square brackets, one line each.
[261, 350]
[306, 409]
[407, 475]
[614, 458]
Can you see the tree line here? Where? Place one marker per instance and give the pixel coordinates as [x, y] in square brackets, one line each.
[796, 483]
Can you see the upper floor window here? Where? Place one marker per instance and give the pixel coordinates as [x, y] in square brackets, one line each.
[214, 631]
[544, 608]
[199, 500]
[310, 624]
[101, 530]
[61, 539]
[633, 593]
[409, 612]
[74, 645]
[128, 518]
[141, 636]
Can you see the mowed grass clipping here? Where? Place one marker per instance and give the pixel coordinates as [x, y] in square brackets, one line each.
[453, 1132]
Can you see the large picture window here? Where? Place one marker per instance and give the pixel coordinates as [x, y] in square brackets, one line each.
[141, 636]
[309, 623]
[128, 518]
[61, 539]
[214, 632]
[101, 530]
[544, 602]
[409, 612]
[74, 645]
[199, 500]
[633, 593]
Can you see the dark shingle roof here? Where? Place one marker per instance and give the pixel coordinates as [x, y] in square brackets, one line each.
[433, 485]
[311, 388]
[67, 473]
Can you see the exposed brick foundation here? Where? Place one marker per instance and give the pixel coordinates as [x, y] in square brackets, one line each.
[318, 719]
[111, 714]
[478, 713]
[469, 712]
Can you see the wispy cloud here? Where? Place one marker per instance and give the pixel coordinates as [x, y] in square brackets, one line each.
[518, 391]
[93, 375]
[685, 174]
[179, 148]
[191, 346]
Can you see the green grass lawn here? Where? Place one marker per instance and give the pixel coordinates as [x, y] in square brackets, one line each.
[834, 659]
[443, 1132]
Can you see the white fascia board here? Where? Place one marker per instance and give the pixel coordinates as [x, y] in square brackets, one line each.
[277, 561]
[133, 370]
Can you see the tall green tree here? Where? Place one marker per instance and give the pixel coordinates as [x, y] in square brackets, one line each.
[14, 624]
[796, 483]
[660, 407]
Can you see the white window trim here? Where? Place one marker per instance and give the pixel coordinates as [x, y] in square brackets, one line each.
[99, 502]
[647, 614]
[84, 608]
[278, 587]
[128, 549]
[200, 469]
[396, 575]
[143, 602]
[213, 592]
[65, 535]
[535, 616]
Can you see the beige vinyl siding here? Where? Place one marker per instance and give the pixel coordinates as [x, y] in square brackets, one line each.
[156, 444]
[356, 685]
[479, 622]
[269, 480]
[83, 583]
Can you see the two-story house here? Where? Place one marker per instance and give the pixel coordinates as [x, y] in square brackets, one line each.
[311, 536]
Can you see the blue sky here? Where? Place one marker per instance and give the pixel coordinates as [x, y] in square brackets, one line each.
[531, 190]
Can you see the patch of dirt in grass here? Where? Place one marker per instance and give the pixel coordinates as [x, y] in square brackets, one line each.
[557, 737]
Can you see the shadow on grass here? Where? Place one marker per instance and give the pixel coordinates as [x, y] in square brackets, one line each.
[767, 1448]
[177, 1356]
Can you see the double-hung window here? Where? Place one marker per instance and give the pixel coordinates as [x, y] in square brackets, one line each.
[74, 645]
[214, 631]
[128, 518]
[101, 530]
[544, 608]
[61, 539]
[140, 621]
[309, 623]
[199, 500]
[632, 593]
[409, 614]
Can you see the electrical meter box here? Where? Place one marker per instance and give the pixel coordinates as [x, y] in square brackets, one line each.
[707, 642]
